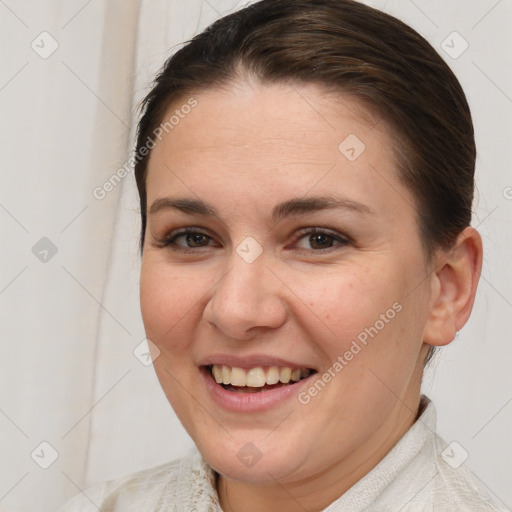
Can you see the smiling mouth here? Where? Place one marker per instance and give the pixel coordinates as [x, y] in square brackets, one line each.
[257, 379]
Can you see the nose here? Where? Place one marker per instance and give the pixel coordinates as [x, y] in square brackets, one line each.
[247, 301]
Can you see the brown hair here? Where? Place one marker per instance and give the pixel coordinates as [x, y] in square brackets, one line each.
[355, 49]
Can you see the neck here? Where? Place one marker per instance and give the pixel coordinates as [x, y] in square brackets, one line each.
[320, 490]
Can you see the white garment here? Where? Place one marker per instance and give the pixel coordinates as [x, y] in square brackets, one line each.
[412, 477]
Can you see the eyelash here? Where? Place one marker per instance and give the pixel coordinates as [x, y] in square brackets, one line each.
[338, 239]
[169, 240]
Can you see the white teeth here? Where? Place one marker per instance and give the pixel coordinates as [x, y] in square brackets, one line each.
[217, 373]
[239, 378]
[273, 375]
[257, 377]
[226, 374]
[296, 375]
[285, 375]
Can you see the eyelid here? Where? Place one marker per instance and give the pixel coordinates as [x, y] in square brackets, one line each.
[168, 239]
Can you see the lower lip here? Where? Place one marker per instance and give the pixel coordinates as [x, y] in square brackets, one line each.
[250, 402]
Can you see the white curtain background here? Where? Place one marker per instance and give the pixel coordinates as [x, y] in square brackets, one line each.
[77, 406]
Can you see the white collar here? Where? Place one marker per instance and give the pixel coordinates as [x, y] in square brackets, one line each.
[198, 479]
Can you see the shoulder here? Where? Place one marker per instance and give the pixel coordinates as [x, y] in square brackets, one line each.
[454, 484]
[426, 474]
[127, 493]
[159, 488]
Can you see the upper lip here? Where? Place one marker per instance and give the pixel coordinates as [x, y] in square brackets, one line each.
[251, 361]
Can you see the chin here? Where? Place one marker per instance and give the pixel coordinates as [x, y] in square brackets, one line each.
[258, 460]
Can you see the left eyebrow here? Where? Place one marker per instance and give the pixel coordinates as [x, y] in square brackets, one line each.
[303, 205]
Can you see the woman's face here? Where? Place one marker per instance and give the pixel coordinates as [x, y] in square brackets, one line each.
[302, 257]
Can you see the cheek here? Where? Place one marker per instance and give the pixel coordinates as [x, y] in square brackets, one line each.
[345, 301]
[366, 315]
[169, 299]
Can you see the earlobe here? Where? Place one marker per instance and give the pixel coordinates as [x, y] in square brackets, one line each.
[454, 288]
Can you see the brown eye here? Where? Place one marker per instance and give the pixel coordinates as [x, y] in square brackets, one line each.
[318, 239]
[188, 239]
[321, 241]
[196, 239]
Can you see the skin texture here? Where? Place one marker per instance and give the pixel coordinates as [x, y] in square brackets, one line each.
[243, 150]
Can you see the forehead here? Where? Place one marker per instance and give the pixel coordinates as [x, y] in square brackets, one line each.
[254, 113]
[265, 140]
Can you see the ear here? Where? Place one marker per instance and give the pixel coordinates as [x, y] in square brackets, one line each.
[454, 288]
